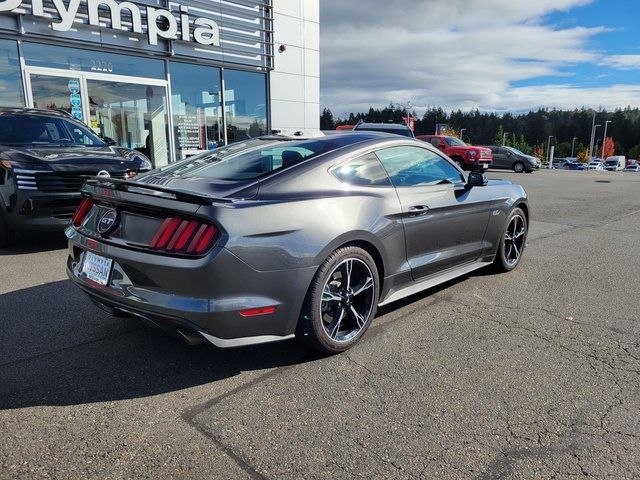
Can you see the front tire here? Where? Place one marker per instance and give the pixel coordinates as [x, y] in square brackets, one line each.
[518, 167]
[7, 238]
[512, 242]
[341, 302]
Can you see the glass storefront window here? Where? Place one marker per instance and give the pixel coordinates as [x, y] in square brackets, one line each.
[197, 112]
[11, 93]
[133, 115]
[245, 104]
[53, 56]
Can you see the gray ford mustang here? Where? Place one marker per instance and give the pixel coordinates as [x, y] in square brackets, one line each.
[282, 237]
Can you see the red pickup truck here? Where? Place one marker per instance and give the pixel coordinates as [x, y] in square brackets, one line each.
[468, 157]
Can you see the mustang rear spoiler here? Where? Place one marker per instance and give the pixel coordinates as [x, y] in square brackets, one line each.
[127, 185]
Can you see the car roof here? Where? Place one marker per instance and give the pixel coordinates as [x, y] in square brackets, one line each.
[395, 126]
[35, 111]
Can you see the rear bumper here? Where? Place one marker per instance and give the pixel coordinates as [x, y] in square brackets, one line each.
[203, 295]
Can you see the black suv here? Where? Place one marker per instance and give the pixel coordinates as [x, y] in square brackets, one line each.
[45, 157]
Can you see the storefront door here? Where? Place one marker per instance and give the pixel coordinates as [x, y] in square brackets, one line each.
[132, 112]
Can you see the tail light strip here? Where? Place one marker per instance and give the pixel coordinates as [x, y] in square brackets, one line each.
[82, 211]
[180, 235]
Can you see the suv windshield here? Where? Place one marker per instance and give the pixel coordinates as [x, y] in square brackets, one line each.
[34, 130]
[611, 163]
[254, 158]
[454, 142]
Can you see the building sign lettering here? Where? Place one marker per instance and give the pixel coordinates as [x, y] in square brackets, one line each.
[158, 23]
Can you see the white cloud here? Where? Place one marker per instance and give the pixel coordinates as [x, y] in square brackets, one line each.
[453, 53]
[624, 62]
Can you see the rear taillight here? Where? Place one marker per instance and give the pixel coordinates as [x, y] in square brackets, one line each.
[176, 234]
[82, 211]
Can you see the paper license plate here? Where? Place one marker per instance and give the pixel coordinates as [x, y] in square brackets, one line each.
[97, 268]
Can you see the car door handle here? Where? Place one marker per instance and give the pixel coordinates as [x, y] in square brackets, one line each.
[418, 210]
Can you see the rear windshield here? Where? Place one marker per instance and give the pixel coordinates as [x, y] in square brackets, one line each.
[255, 158]
[37, 130]
[405, 132]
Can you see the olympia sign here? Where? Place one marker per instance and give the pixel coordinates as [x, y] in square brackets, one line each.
[206, 31]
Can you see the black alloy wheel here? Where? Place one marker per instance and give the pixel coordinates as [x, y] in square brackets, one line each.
[513, 242]
[342, 301]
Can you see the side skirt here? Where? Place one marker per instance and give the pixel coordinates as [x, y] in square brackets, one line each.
[433, 281]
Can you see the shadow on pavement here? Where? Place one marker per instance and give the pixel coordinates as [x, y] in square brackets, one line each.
[35, 243]
[57, 349]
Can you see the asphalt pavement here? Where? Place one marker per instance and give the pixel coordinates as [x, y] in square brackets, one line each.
[531, 374]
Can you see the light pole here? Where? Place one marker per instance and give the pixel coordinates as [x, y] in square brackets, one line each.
[604, 138]
[593, 135]
[548, 152]
[462, 130]
[597, 146]
[504, 137]
[573, 145]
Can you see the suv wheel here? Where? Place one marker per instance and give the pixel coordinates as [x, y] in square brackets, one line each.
[342, 301]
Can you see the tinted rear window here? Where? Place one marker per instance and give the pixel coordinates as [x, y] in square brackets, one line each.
[254, 159]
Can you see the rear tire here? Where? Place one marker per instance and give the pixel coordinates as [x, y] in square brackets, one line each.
[518, 167]
[513, 241]
[341, 302]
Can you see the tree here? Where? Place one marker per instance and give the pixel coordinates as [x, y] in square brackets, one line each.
[583, 155]
[498, 138]
[326, 120]
[634, 152]
[608, 147]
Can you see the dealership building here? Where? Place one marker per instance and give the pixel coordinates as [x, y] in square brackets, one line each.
[169, 78]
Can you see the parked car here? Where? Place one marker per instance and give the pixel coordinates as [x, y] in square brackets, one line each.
[395, 128]
[466, 156]
[559, 163]
[616, 163]
[258, 242]
[574, 166]
[595, 165]
[633, 167]
[512, 159]
[45, 156]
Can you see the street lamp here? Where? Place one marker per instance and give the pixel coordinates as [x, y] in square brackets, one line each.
[504, 137]
[597, 147]
[549, 152]
[604, 138]
[573, 145]
[462, 130]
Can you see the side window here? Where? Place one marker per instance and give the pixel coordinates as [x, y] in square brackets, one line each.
[365, 170]
[435, 142]
[413, 166]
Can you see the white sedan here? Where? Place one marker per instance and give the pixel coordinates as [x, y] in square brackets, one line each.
[595, 166]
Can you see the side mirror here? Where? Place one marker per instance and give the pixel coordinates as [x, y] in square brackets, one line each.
[110, 141]
[476, 179]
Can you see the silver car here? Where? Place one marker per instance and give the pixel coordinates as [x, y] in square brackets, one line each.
[281, 237]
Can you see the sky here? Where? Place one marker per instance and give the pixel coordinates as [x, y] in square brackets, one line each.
[494, 55]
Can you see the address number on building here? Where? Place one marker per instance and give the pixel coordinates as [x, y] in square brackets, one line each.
[101, 66]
